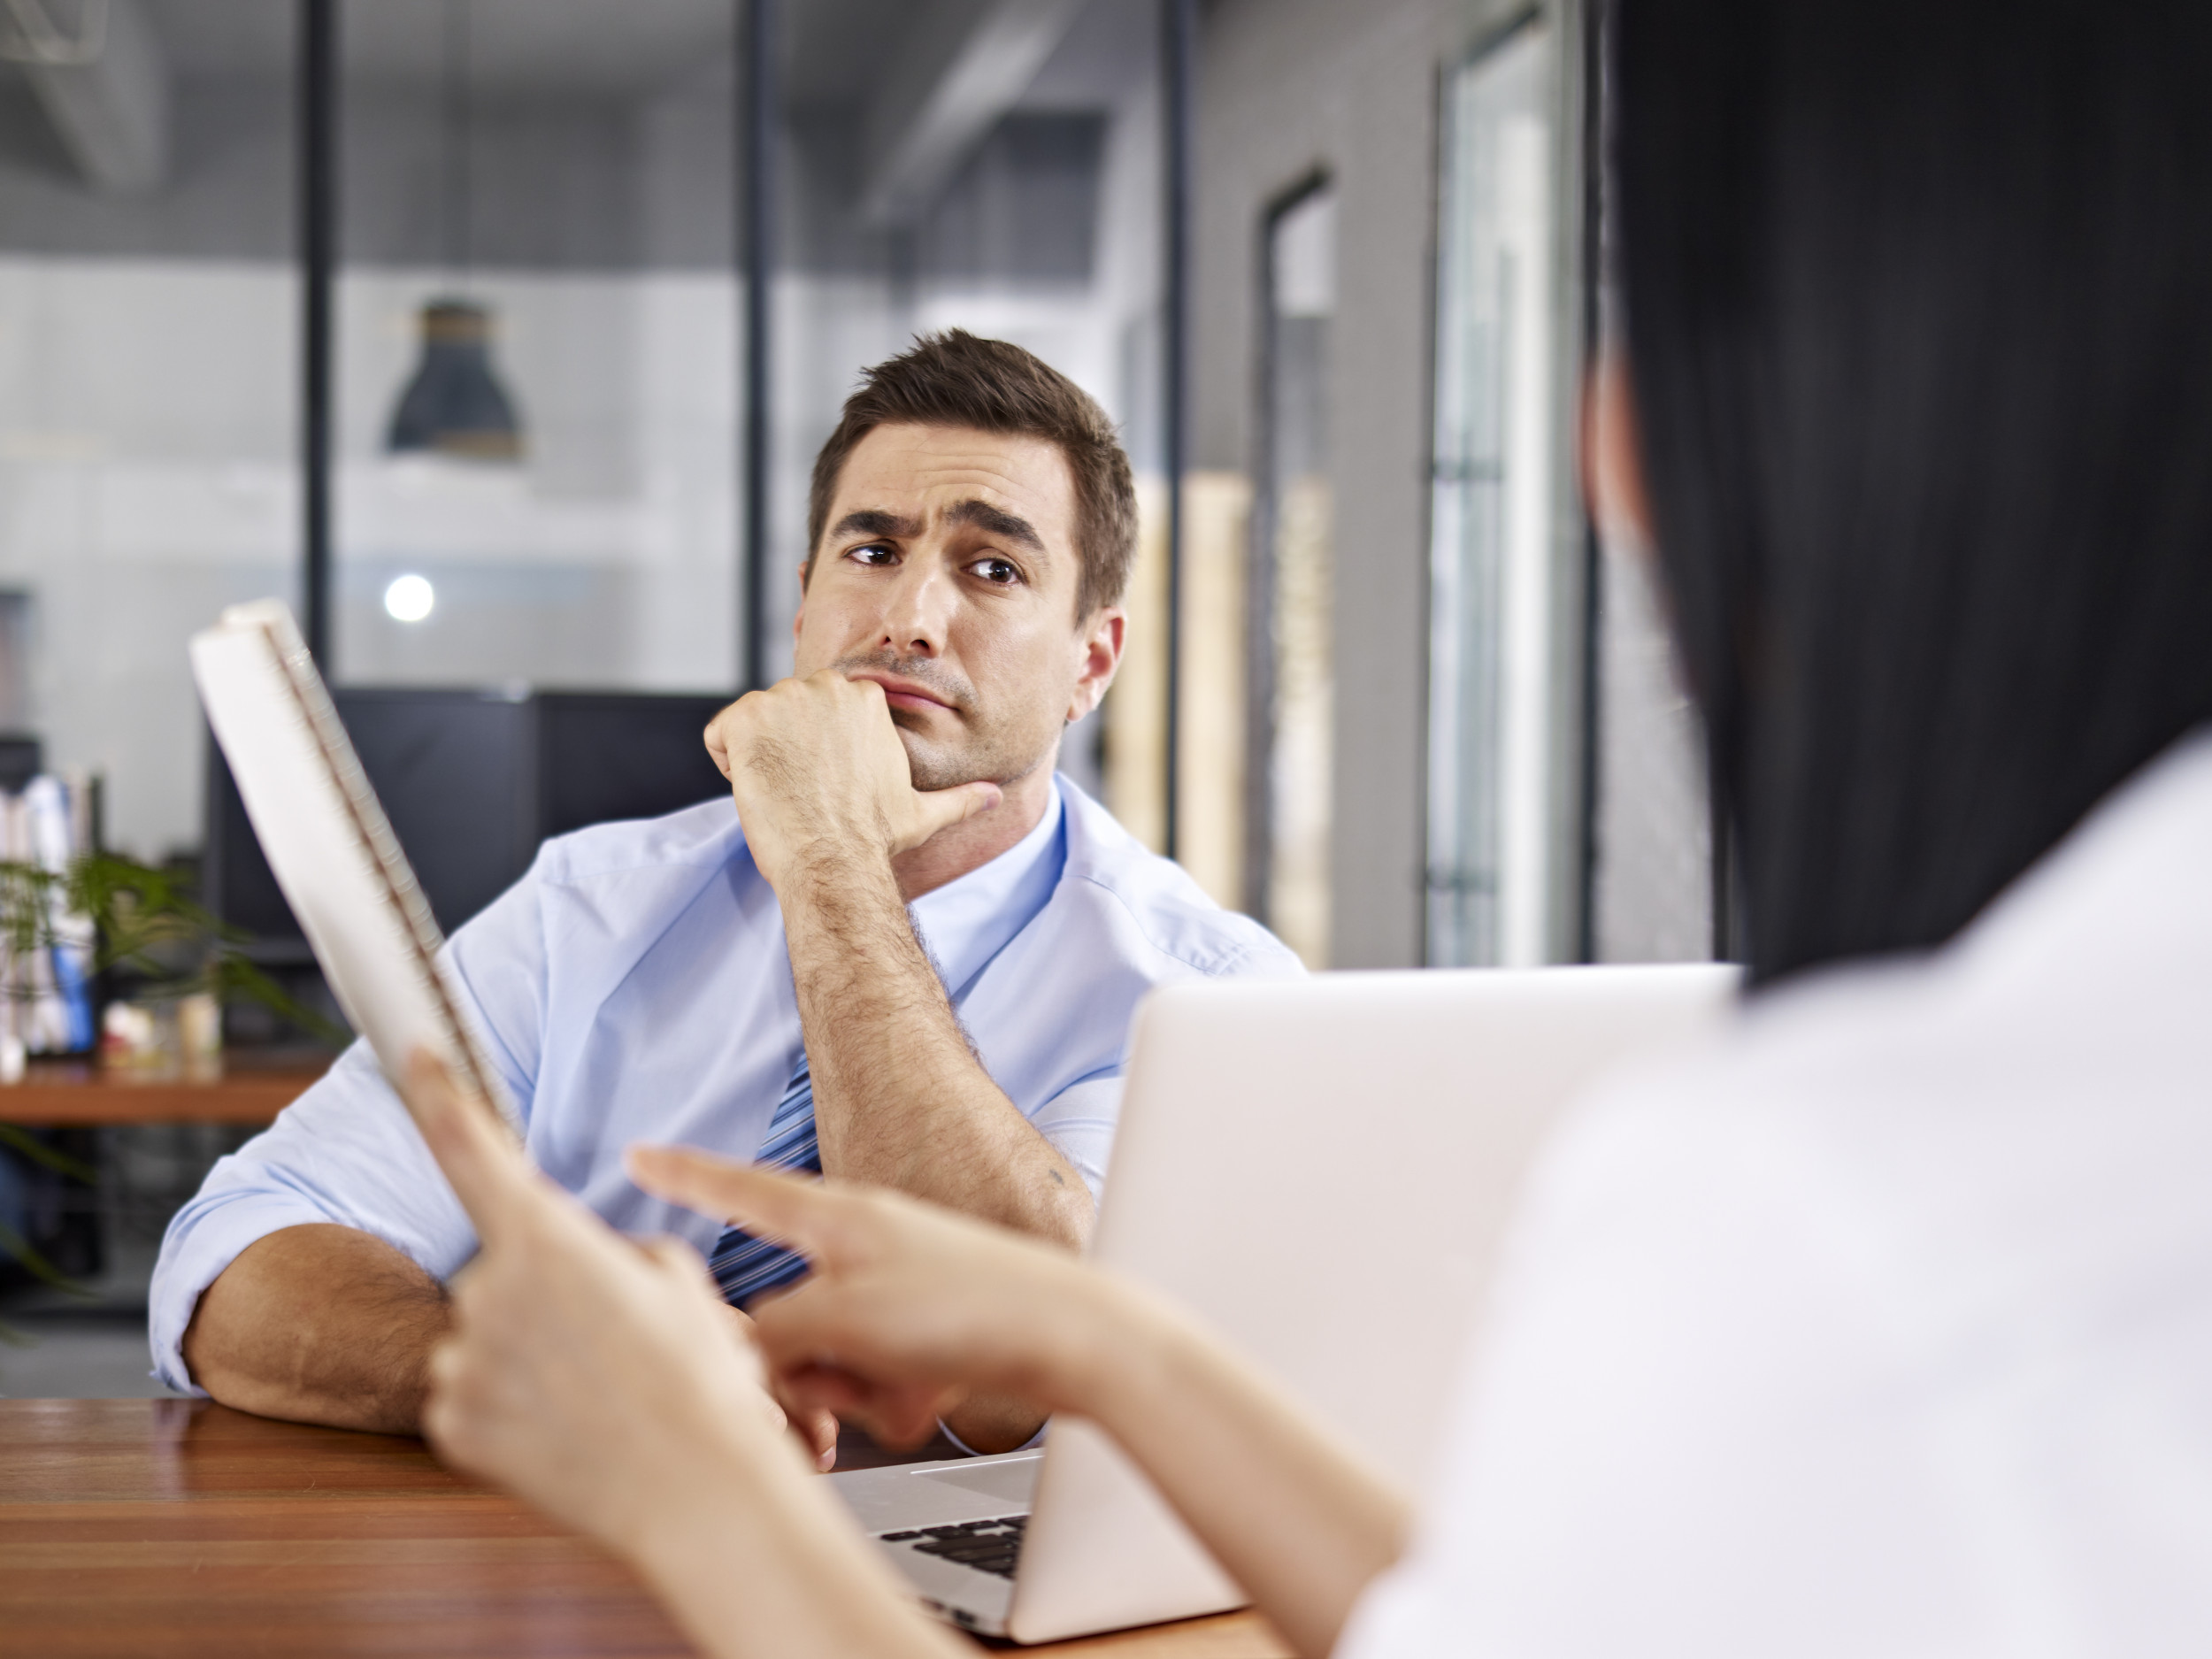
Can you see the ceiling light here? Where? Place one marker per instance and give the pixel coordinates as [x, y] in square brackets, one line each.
[409, 599]
[454, 404]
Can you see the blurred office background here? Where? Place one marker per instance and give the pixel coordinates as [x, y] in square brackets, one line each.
[1419, 716]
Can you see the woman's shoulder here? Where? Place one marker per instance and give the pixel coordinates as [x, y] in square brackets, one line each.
[2080, 990]
[2023, 1106]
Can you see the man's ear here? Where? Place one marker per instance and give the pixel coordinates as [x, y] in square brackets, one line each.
[798, 617]
[1101, 640]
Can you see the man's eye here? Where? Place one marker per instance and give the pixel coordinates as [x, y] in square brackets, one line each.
[999, 572]
[873, 553]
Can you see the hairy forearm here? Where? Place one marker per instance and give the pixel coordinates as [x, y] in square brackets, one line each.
[1303, 1526]
[900, 1099]
[319, 1323]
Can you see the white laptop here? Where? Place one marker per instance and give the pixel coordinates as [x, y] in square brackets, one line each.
[1284, 1148]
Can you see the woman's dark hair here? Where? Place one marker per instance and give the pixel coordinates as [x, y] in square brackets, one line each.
[1918, 300]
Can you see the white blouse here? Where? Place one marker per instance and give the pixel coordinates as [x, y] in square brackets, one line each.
[1883, 1327]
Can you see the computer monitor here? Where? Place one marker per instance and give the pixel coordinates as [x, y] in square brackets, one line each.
[456, 772]
[20, 760]
[606, 755]
[473, 781]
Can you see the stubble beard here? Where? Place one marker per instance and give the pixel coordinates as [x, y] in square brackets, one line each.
[995, 750]
[993, 754]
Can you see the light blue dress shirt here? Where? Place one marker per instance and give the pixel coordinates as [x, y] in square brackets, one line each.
[635, 986]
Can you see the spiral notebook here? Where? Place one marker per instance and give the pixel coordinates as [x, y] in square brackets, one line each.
[332, 849]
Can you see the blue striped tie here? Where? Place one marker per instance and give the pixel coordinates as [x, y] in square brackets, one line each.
[745, 1266]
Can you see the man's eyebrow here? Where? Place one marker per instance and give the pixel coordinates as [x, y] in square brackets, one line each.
[876, 521]
[996, 521]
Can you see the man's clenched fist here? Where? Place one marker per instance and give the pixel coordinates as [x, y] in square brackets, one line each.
[820, 774]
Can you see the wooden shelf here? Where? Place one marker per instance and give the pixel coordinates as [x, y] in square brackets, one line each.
[78, 1094]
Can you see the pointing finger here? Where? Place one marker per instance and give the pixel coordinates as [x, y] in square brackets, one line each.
[815, 1221]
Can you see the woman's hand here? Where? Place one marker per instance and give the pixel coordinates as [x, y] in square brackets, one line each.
[909, 1306]
[815, 1425]
[607, 1382]
[595, 1376]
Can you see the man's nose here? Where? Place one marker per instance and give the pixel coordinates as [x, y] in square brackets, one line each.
[917, 610]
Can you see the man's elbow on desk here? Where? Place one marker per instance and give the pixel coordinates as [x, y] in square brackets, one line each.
[319, 1323]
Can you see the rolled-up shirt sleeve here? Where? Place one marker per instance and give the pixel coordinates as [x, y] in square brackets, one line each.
[346, 1153]
[1080, 1121]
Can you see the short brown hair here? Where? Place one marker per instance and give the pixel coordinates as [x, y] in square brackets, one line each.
[953, 379]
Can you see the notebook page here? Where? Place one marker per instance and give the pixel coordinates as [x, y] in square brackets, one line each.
[330, 847]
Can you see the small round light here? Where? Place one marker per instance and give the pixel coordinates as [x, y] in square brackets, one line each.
[409, 599]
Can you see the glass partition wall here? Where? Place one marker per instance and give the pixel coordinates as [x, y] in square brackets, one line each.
[537, 422]
[148, 406]
[538, 345]
[149, 412]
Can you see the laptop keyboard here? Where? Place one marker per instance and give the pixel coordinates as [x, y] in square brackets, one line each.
[992, 1546]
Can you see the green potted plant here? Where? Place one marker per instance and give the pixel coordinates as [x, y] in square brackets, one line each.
[143, 924]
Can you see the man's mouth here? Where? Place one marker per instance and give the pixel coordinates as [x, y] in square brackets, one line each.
[904, 694]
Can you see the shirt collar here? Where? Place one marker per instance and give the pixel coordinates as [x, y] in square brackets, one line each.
[967, 922]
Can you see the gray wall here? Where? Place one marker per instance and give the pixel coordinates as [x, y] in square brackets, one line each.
[1285, 86]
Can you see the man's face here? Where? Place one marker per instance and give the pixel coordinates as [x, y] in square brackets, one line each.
[948, 574]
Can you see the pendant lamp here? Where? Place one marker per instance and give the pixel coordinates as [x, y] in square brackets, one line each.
[454, 404]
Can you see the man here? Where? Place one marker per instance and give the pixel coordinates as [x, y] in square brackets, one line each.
[909, 956]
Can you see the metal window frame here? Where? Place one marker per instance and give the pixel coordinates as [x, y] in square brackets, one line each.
[1571, 804]
[1260, 560]
[318, 108]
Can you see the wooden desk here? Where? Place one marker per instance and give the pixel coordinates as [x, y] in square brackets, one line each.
[178, 1527]
[77, 1093]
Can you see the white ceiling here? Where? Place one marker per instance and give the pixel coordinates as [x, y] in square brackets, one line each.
[835, 51]
[604, 46]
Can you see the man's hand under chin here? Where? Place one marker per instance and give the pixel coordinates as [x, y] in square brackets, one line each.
[819, 772]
